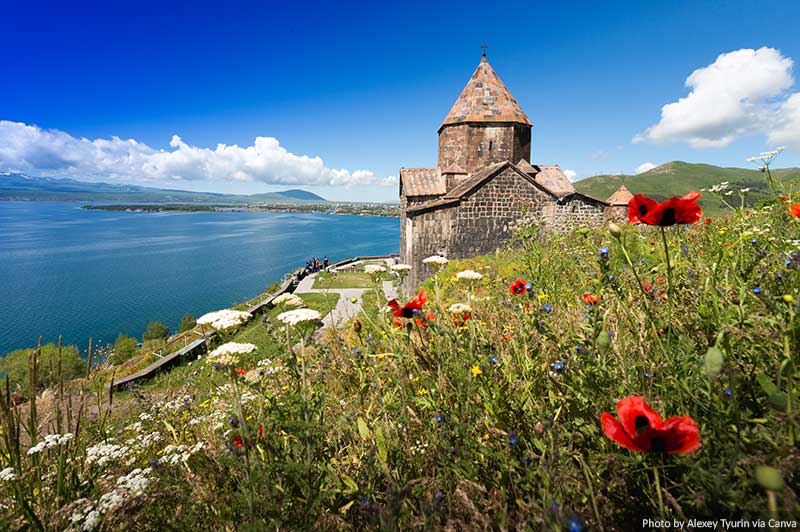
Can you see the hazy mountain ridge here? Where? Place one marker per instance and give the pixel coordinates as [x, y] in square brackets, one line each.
[28, 188]
[677, 178]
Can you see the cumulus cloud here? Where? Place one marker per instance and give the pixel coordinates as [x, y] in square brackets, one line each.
[572, 175]
[644, 167]
[742, 92]
[30, 149]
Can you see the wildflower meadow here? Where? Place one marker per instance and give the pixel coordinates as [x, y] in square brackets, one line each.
[579, 380]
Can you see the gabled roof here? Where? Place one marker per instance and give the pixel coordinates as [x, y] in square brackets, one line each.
[621, 197]
[485, 99]
[475, 181]
[526, 167]
[422, 182]
[553, 178]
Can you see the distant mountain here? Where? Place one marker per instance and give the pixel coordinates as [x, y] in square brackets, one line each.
[28, 188]
[678, 178]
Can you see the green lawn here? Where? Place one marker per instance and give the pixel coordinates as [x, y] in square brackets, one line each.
[346, 280]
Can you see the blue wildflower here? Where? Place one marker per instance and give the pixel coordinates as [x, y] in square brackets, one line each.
[558, 366]
[493, 359]
[528, 286]
[233, 422]
[439, 418]
[757, 290]
[728, 392]
[604, 252]
[574, 524]
[512, 438]
[647, 375]
[548, 307]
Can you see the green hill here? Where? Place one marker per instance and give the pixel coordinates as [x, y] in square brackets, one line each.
[678, 178]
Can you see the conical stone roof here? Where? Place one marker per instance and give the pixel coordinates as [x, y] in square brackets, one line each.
[485, 99]
[621, 197]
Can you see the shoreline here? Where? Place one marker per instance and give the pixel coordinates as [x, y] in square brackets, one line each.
[387, 211]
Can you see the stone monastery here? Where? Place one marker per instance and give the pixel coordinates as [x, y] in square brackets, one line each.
[485, 181]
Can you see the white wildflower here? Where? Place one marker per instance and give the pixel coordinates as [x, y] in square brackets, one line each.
[401, 267]
[228, 354]
[744, 190]
[104, 453]
[51, 440]
[224, 319]
[290, 300]
[8, 475]
[469, 275]
[459, 308]
[91, 521]
[435, 260]
[293, 317]
[372, 269]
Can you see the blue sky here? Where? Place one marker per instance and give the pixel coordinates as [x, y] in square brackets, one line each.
[364, 87]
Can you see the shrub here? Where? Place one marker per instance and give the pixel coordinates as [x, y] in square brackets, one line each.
[156, 331]
[124, 348]
[16, 365]
[188, 322]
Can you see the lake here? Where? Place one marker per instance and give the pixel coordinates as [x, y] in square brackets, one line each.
[81, 273]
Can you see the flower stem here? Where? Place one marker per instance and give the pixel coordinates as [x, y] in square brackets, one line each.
[669, 282]
[657, 479]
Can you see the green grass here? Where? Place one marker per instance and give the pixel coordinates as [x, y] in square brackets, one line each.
[357, 279]
[494, 424]
[678, 177]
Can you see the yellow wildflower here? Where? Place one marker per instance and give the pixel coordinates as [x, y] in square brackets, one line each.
[476, 370]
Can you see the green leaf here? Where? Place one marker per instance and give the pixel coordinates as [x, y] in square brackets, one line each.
[777, 401]
[363, 430]
[766, 384]
[352, 487]
[713, 361]
[769, 478]
[380, 441]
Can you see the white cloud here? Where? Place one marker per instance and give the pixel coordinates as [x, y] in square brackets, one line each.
[49, 152]
[738, 94]
[644, 167]
[572, 175]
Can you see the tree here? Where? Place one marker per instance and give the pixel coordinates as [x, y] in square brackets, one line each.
[16, 365]
[187, 322]
[156, 331]
[124, 348]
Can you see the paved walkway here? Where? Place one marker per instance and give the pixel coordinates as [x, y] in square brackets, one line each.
[345, 309]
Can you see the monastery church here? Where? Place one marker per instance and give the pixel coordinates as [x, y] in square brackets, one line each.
[485, 181]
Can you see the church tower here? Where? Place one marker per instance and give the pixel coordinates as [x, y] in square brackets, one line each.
[485, 126]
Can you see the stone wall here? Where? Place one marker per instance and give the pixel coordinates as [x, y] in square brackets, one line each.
[471, 147]
[578, 211]
[483, 221]
[479, 224]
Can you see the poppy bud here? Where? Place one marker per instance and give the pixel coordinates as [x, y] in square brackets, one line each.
[615, 230]
[769, 478]
[603, 340]
[357, 326]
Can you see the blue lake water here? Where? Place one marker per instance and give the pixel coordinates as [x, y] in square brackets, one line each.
[81, 273]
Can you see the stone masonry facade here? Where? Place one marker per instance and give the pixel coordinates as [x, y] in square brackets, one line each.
[485, 183]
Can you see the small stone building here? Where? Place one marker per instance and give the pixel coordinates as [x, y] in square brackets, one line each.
[484, 182]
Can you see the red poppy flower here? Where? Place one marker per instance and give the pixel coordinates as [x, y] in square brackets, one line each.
[661, 279]
[794, 210]
[411, 308]
[241, 372]
[429, 316]
[589, 299]
[639, 206]
[641, 429]
[462, 318]
[517, 287]
[673, 211]
[261, 432]
[238, 441]
[647, 286]
[708, 221]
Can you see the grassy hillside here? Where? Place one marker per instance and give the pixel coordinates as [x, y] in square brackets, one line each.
[677, 178]
[480, 408]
